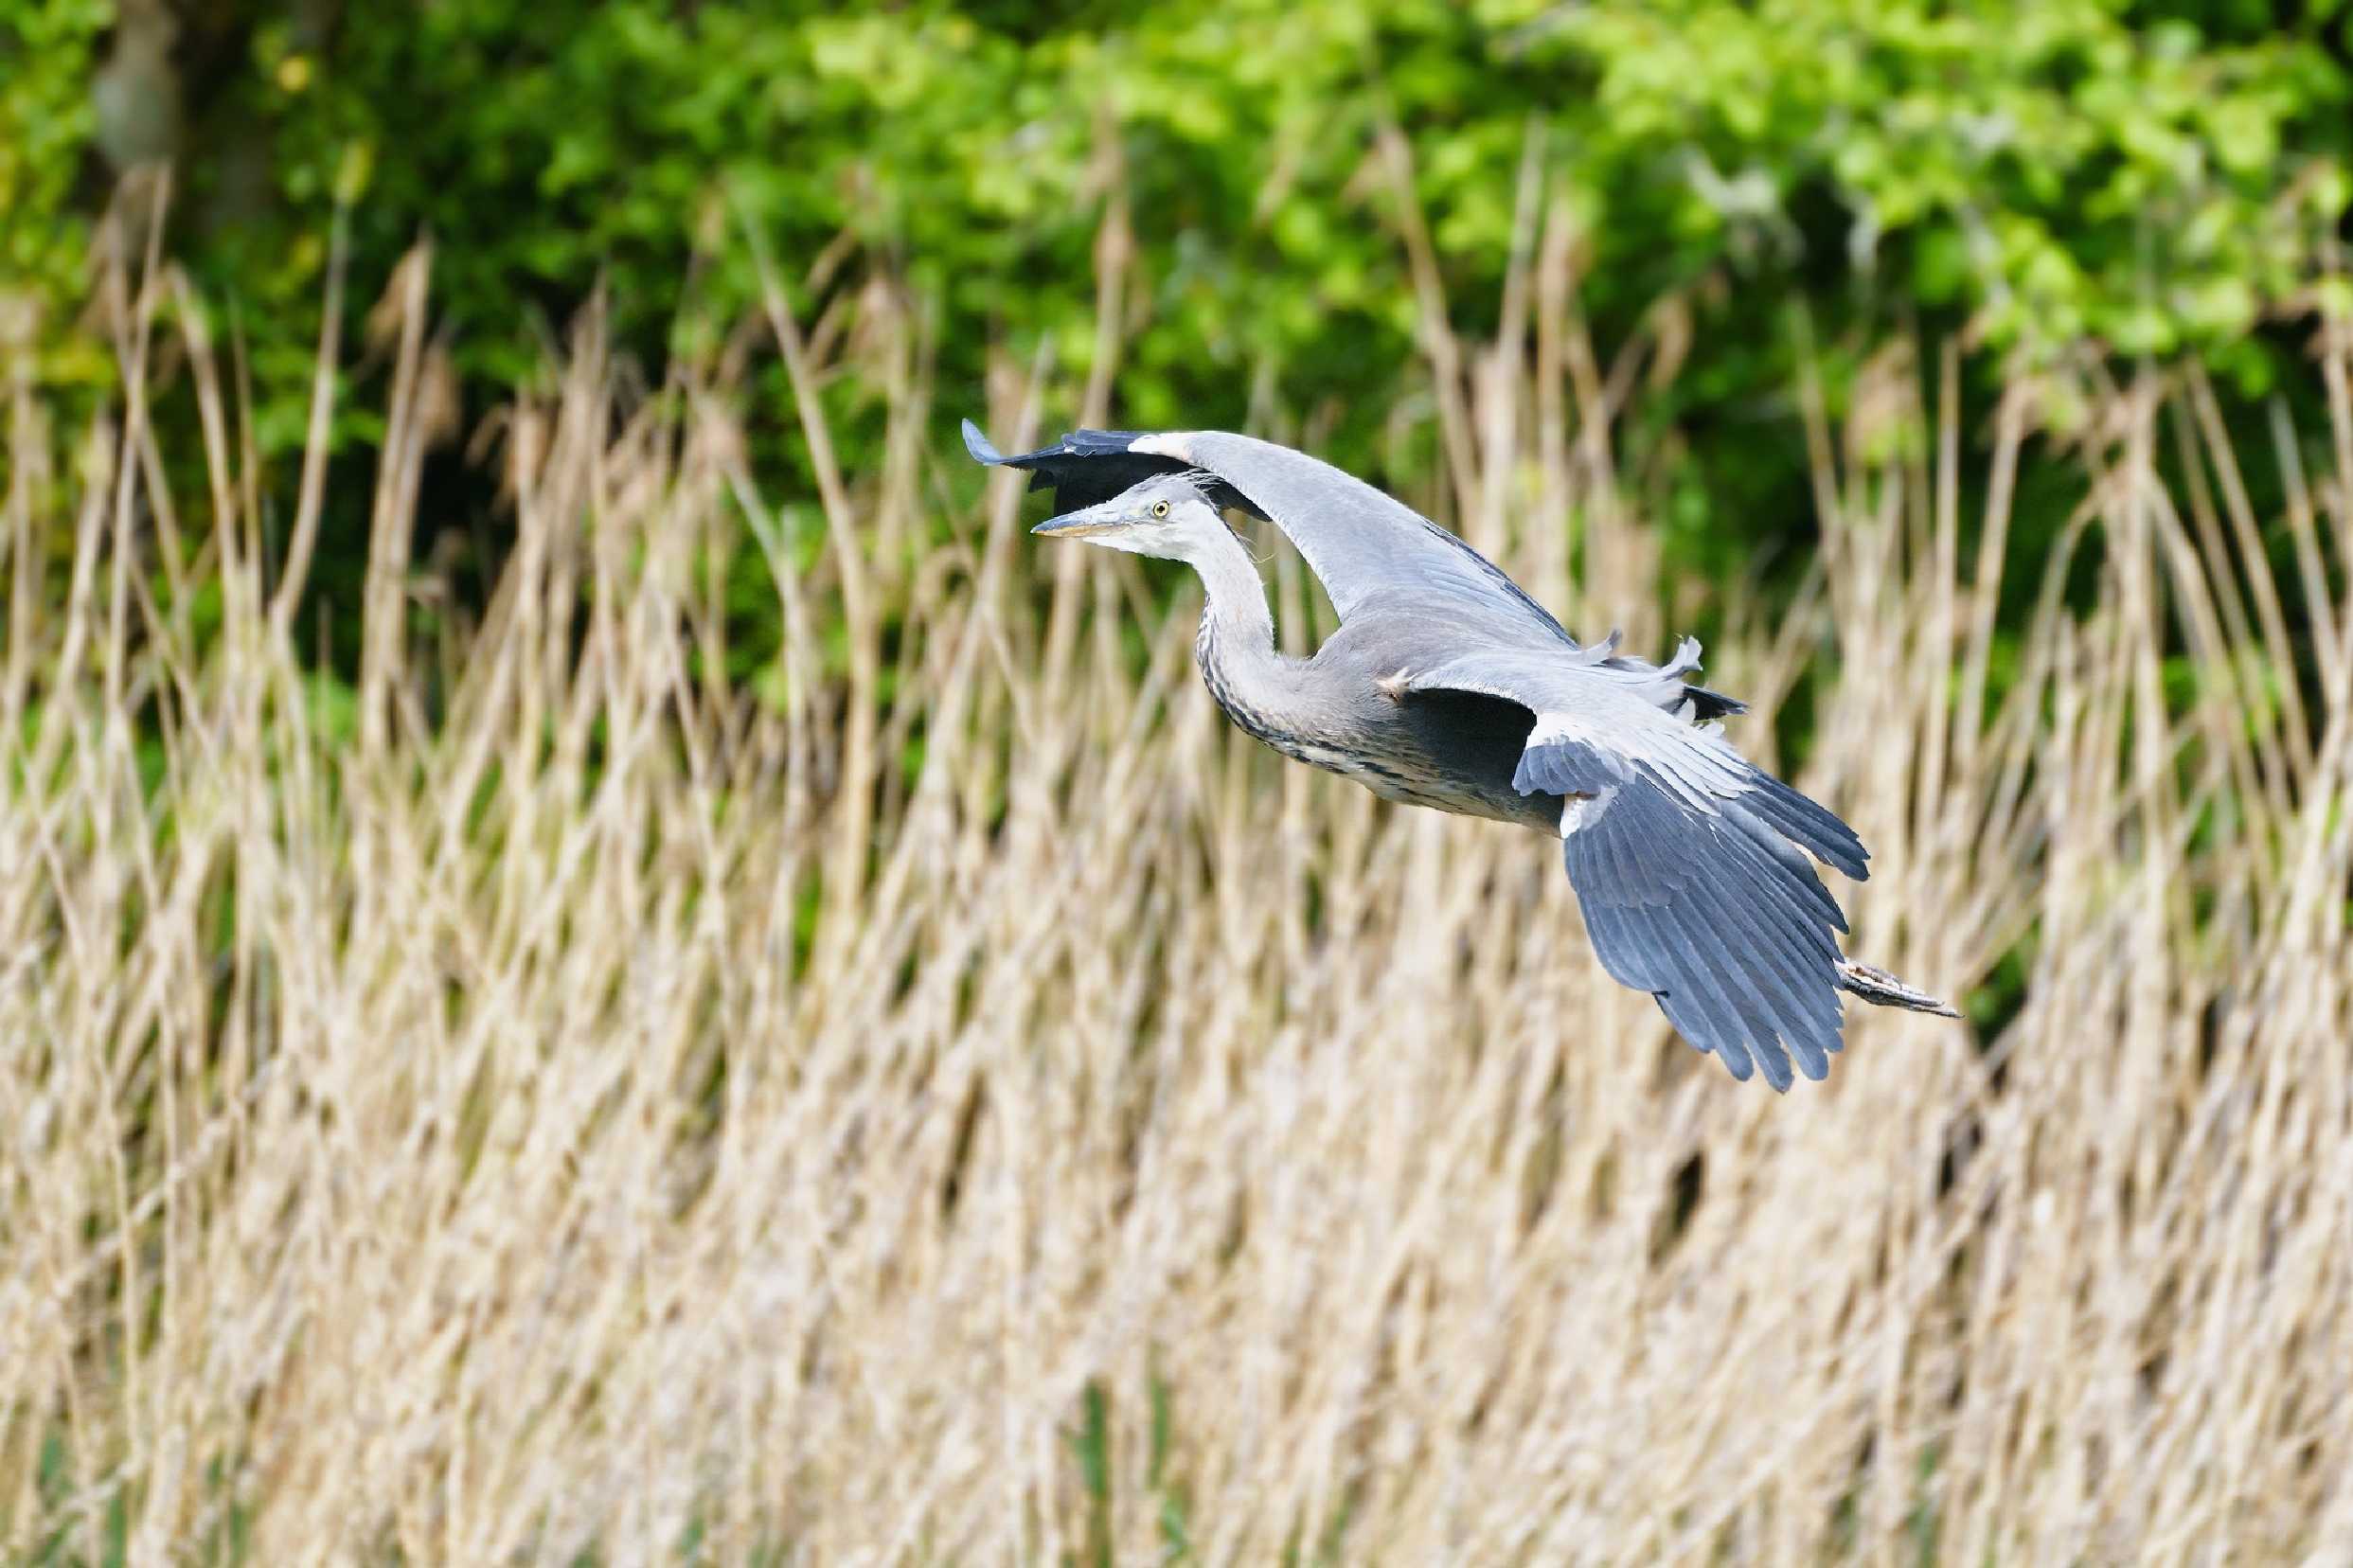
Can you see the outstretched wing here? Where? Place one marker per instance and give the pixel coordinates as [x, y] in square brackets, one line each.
[1360, 541]
[1357, 541]
[1685, 858]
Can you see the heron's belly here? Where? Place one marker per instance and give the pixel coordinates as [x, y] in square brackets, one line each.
[1391, 780]
[1401, 763]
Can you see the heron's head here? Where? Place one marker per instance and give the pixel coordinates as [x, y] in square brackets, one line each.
[1167, 515]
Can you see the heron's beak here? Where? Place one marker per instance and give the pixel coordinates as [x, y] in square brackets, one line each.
[1078, 524]
[1073, 526]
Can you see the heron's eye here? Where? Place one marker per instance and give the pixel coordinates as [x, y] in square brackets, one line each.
[1160, 509]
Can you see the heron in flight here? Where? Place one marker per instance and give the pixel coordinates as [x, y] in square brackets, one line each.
[1447, 686]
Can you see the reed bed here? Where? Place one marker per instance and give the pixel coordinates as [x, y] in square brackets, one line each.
[959, 1101]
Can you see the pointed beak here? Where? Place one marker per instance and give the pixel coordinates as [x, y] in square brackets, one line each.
[1076, 525]
[1084, 522]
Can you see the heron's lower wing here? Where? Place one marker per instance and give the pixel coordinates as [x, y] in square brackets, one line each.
[1686, 861]
[1709, 911]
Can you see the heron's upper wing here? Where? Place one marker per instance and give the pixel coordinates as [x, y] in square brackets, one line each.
[1685, 858]
[1358, 540]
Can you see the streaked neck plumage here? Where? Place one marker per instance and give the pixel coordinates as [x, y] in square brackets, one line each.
[1235, 646]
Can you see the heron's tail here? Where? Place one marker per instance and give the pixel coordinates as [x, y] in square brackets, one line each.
[1877, 986]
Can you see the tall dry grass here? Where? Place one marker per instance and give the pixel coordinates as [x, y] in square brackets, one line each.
[579, 1107]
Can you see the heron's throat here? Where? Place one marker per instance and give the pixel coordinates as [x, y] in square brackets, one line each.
[1235, 646]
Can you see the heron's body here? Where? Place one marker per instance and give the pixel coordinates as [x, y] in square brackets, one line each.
[1339, 710]
[1447, 686]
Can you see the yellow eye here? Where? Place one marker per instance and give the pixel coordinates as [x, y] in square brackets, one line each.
[1160, 509]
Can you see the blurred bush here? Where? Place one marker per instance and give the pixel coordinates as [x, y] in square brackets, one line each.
[2036, 174]
[47, 121]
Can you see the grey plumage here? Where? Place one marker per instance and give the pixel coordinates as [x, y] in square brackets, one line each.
[1447, 686]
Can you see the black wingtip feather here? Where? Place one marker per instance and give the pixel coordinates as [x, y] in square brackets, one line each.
[1084, 467]
[1706, 704]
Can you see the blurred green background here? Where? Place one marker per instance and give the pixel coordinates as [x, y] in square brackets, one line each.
[2039, 178]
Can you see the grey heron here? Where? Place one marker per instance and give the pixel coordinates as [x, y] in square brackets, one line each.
[1447, 686]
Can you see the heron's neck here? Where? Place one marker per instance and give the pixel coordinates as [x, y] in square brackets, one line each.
[1235, 644]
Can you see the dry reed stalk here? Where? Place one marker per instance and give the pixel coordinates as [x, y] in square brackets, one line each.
[455, 1143]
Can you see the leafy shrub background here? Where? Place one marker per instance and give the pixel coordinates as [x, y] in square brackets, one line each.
[2039, 176]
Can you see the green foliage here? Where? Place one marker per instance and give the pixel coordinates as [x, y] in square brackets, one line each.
[2059, 169]
[2038, 172]
[2049, 164]
[47, 116]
